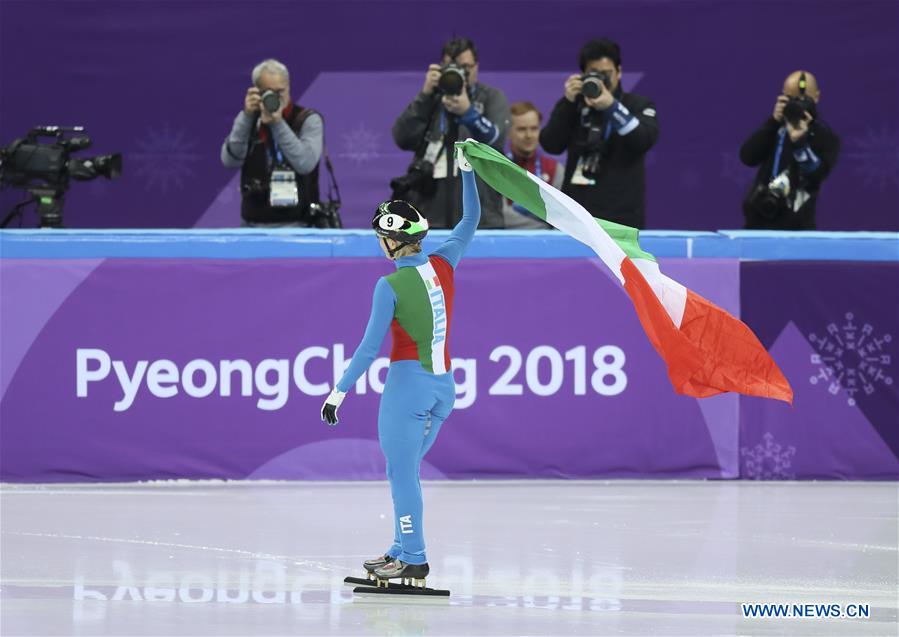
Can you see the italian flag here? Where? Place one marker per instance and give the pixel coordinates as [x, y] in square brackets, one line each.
[707, 350]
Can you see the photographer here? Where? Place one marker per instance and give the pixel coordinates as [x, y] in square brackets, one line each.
[452, 105]
[277, 145]
[795, 151]
[607, 133]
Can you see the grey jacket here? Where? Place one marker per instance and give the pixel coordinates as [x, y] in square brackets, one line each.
[443, 206]
[302, 152]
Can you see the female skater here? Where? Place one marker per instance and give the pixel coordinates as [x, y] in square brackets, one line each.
[416, 302]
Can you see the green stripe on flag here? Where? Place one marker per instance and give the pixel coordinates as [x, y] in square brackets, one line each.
[506, 177]
[627, 238]
[512, 181]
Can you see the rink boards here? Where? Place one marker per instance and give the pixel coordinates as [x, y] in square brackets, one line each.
[179, 354]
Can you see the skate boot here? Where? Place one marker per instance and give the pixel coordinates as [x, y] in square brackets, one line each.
[411, 574]
[371, 565]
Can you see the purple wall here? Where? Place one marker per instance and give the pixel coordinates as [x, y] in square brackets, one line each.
[553, 416]
[833, 329]
[162, 82]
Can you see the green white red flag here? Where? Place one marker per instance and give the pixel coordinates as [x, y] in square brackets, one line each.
[707, 350]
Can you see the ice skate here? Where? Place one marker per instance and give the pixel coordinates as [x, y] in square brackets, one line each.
[369, 566]
[378, 562]
[411, 574]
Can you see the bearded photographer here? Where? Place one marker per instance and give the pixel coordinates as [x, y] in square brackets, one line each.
[277, 145]
[451, 106]
[795, 151]
[607, 133]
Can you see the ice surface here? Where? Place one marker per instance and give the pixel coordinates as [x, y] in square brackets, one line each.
[536, 558]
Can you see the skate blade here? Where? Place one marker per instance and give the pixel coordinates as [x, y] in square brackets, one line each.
[401, 589]
[375, 583]
[360, 581]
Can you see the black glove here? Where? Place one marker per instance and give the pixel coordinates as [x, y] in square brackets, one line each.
[329, 409]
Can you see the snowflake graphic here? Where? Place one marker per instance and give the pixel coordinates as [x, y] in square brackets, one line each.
[733, 170]
[361, 144]
[164, 159]
[875, 156]
[851, 357]
[768, 460]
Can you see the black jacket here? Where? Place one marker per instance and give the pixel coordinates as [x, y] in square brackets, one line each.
[256, 172]
[760, 149]
[441, 202]
[618, 194]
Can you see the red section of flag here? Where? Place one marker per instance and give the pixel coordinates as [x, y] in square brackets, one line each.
[712, 352]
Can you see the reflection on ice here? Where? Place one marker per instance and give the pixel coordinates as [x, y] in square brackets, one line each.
[520, 558]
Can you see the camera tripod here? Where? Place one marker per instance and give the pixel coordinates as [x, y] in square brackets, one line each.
[49, 208]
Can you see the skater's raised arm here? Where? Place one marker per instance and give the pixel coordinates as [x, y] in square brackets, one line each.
[382, 307]
[454, 247]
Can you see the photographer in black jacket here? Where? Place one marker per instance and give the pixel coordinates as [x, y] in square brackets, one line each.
[795, 151]
[607, 133]
[451, 105]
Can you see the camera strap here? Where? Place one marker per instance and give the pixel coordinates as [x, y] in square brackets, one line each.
[594, 136]
[333, 188]
[782, 135]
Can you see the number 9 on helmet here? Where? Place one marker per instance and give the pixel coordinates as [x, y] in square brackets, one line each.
[399, 220]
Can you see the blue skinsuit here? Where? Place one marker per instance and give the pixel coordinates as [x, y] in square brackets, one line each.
[415, 401]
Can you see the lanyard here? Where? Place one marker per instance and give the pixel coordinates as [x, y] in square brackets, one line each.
[607, 116]
[278, 154]
[777, 153]
[607, 129]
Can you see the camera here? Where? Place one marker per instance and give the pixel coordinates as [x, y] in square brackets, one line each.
[44, 168]
[592, 81]
[419, 177]
[452, 79]
[271, 101]
[29, 163]
[595, 146]
[592, 165]
[796, 108]
[771, 200]
[325, 214]
[254, 186]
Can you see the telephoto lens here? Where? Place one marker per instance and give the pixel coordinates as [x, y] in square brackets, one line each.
[452, 79]
[796, 108]
[591, 83]
[271, 101]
